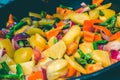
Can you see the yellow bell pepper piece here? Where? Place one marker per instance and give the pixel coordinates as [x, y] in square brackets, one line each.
[7, 45]
[33, 31]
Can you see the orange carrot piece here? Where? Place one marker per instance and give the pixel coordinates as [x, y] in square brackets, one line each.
[60, 25]
[104, 29]
[71, 71]
[60, 10]
[48, 16]
[78, 74]
[115, 36]
[52, 33]
[90, 68]
[88, 36]
[35, 75]
[97, 37]
[71, 48]
[10, 19]
[79, 10]
[97, 2]
[88, 25]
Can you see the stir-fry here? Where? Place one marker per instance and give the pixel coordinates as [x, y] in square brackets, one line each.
[68, 43]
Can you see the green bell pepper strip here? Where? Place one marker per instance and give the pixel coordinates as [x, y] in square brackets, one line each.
[95, 44]
[9, 35]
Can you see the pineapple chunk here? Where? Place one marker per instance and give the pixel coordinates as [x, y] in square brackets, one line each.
[72, 35]
[94, 14]
[55, 51]
[86, 47]
[101, 56]
[27, 67]
[79, 17]
[7, 59]
[37, 41]
[108, 13]
[51, 41]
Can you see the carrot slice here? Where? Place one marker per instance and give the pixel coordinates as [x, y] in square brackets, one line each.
[88, 36]
[71, 48]
[48, 16]
[60, 25]
[115, 36]
[97, 2]
[79, 10]
[52, 33]
[71, 71]
[88, 25]
[36, 75]
[104, 29]
[90, 68]
[97, 37]
[10, 20]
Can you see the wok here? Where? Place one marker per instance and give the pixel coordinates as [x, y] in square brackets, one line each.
[20, 8]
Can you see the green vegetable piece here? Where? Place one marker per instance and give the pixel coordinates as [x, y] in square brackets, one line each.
[81, 53]
[66, 26]
[95, 46]
[88, 56]
[92, 6]
[20, 72]
[5, 67]
[101, 42]
[55, 40]
[43, 14]
[9, 35]
[101, 13]
[62, 6]
[109, 22]
[8, 76]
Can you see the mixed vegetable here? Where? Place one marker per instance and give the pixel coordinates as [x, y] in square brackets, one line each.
[67, 44]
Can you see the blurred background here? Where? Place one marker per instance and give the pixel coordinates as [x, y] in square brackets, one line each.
[4, 2]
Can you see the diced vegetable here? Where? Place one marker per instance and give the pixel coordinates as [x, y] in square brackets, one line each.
[108, 13]
[33, 31]
[79, 18]
[101, 56]
[7, 59]
[55, 51]
[86, 47]
[6, 43]
[58, 70]
[94, 14]
[72, 34]
[74, 64]
[23, 55]
[26, 66]
[37, 41]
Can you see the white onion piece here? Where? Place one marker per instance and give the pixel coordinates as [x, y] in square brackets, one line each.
[114, 45]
